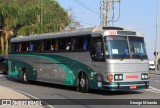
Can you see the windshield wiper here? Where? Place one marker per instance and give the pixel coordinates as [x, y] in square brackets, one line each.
[138, 56]
[123, 56]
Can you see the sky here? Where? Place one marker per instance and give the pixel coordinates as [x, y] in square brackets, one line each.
[137, 15]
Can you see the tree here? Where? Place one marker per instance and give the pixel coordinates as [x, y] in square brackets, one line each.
[24, 17]
[8, 22]
[73, 23]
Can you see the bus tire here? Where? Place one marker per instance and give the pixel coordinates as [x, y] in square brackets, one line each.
[24, 76]
[83, 83]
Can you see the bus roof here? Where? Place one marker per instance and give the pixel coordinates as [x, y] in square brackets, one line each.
[94, 31]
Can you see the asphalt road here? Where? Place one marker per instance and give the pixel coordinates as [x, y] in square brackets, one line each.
[52, 91]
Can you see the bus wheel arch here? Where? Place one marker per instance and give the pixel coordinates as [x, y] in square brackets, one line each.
[83, 82]
[24, 76]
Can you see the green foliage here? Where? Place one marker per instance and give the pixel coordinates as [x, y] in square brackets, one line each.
[28, 17]
[8, 14]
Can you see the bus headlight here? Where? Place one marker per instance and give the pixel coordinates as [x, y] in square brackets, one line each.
[144, 76]
[118, 77]
[121, 77]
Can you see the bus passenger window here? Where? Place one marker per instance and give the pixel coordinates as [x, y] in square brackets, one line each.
[97, 52]
[41, 46]
[37, 46]
[47, 45]
[80, 43]
[67, 46]
[73, 44]
[56, 45]
[27, 48]
[52, 45]
[24, 46]
[98, 49]
[30, 46]
[13, 47]
[62, 44]
[20, 47]
[17, 47]
[68, 42]
[85, 44]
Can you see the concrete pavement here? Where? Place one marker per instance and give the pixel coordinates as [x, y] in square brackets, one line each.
[9, 94]
[153, 72]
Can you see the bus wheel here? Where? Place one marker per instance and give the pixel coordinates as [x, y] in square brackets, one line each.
[24, 76]
[84, 83]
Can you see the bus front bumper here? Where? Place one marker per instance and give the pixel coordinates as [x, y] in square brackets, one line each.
[123, 86]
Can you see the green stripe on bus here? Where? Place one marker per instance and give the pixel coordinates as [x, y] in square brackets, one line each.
[70, 77]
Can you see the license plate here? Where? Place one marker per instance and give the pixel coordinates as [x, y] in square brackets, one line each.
[133, 87]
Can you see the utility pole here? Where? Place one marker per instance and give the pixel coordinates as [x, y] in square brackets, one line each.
[107, 12]
[156, 41]
[102, 12]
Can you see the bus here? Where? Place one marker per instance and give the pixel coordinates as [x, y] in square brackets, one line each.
[102, 58]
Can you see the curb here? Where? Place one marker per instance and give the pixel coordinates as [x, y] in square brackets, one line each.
[158, 73]
[10, 98]
[155, 73]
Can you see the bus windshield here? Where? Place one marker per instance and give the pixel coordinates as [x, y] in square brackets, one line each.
[137, 46]
[119, 47]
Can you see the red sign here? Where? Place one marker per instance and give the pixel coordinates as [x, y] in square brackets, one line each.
[112, 32]
[132, 76]
[133, 87]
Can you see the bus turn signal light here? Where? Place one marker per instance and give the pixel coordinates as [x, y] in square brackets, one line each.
[111, 77]
[148, 75]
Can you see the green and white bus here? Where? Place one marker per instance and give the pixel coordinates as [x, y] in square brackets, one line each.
[103, 58]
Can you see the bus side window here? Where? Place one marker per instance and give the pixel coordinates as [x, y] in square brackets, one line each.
[97, 50]
[68, 44]
[47, 45]
[42, 46]
[13, 47]
[85, 43]
[56, 45]
[27, 47]
[24, 46]
[79, 43]
[72, 44]
[20, 47]
[62, 44]
[39, 46]
[17, 47]
[31, 46]
[52, 45]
